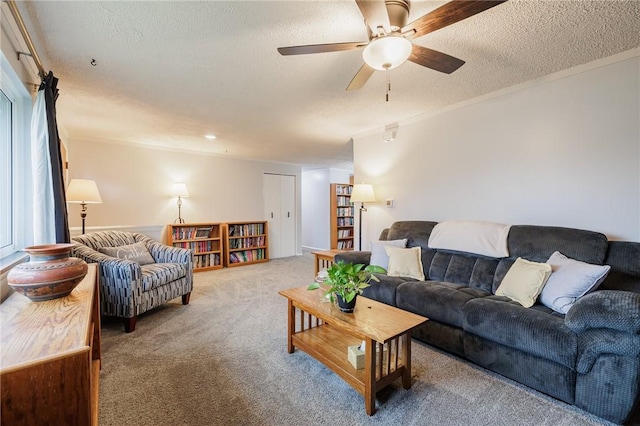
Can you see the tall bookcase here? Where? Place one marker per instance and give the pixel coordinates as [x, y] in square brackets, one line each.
[245, 243]
[205, 239]
[341, 216]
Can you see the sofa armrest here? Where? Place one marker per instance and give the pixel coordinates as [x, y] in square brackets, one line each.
[355, 257]
[612, 309]
[594, 343]
[167, 254]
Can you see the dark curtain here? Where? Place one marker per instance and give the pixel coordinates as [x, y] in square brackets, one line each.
[50, 87]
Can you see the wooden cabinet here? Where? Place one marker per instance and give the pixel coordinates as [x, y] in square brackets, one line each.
[245, 243]
[50, 357]
[204, 239]
[341, 216]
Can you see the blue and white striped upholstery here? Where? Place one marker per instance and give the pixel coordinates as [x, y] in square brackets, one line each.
[128, 289]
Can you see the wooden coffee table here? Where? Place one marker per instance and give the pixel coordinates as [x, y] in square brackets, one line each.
[320, 329]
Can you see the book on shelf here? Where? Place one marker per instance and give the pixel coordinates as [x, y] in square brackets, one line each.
[345, 244]
[203, 232]
[246, 256]
[190, 232]
[246, 229]
[343, 189]
[206, 260]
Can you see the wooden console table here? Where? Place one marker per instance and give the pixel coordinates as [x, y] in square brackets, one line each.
[324, 259]
[50, 357]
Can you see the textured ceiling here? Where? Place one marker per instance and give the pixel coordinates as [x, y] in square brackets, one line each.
[170, 72]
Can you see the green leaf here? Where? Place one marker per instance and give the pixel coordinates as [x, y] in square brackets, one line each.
[313, 286]
[375, 269]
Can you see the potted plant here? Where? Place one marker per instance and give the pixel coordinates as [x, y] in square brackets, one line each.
[346, 281]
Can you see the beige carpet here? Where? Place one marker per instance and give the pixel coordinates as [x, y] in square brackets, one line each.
[222, 360]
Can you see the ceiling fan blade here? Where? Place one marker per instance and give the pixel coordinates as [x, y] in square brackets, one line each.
[435, 60]
[361, 77]
[320, 48]
[448, 14]
[375, 14]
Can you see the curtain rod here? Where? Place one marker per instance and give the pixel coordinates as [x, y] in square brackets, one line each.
[25, 35]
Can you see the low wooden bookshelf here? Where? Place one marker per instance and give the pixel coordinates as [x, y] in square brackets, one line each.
[205, 239]
[245, 243]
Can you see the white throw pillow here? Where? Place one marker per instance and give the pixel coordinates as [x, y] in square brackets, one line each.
[379, 255]
[570, 280]
[405, 262]
[485, 238]
[524, 281]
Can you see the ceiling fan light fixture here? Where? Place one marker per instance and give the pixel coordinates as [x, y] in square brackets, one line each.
[387, 52]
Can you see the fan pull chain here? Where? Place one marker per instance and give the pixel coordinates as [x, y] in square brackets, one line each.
[388, 83]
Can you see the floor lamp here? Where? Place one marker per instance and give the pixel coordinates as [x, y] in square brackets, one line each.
[362, 193]
[83, 192]
[179, 190]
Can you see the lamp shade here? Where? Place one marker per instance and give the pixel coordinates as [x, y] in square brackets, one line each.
[83, 191]
[387, 52]
[362, 193]
[179, 190]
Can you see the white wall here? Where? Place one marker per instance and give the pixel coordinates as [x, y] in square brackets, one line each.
[316, 222]
[562, 151]
[135, 184]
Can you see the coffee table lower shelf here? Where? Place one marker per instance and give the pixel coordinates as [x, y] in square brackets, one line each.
[329, 346]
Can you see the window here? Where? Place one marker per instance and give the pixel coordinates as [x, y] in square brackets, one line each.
[6, 171]
[15, 163]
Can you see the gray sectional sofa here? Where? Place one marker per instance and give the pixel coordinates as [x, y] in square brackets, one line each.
[589, 357]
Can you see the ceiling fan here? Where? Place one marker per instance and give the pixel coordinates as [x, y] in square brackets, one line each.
[390, 36]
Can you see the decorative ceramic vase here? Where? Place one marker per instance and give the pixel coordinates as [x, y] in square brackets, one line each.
[50, 272]
[347, 307]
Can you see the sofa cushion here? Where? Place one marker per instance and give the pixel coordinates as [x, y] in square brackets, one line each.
[624, 275]
[463, 268]
[537, 243]
[158, 274]
[524, 281]
[499, 320]
[385, 290]
[415, 231]
[405, 262]
[435, 300]
[379, 255]
[570, 280]
[136, 252]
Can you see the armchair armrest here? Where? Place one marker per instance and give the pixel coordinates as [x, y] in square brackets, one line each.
[167, 254]
[354, 257]
[114, 272]
[608, 309]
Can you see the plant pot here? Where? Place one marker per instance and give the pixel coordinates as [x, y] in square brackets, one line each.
[346, 307]
[50, 272]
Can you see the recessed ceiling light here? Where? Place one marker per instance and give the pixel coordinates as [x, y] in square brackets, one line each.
[210, 137]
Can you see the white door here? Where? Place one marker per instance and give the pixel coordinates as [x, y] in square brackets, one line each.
[279, 211]
[287, 216]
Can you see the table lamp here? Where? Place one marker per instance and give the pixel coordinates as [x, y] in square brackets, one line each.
[180, 191]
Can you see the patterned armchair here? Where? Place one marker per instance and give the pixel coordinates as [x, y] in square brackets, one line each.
[128, 288]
